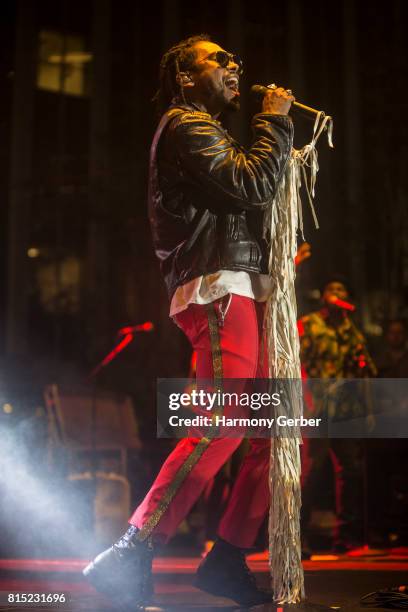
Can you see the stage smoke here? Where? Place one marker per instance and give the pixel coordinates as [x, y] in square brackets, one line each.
[41, 513]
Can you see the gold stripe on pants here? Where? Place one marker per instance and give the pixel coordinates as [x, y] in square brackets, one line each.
[192, 459]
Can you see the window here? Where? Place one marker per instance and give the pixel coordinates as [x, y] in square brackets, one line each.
[63, 64]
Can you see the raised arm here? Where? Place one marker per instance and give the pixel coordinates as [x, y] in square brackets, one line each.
[210, 159]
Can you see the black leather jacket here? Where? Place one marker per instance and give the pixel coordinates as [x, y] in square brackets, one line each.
[207, 195]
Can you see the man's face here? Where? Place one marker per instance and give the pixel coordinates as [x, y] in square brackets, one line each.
[215, 87]
[334, 289]
[396, 336]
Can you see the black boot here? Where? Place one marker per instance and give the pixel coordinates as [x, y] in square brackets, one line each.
[124, 572]
[224, 572]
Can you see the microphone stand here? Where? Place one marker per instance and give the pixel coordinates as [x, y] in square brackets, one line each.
[128, 334]
[127, 339]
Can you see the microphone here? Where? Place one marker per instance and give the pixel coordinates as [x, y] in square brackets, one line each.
[332, 299]
[143, 327]
[307, 111]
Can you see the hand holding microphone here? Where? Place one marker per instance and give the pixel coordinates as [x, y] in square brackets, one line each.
[277, 100]
[306, 111]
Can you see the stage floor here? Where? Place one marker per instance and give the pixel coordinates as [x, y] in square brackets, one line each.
[336, 583]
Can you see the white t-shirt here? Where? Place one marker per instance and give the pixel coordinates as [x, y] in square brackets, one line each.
[206, 289]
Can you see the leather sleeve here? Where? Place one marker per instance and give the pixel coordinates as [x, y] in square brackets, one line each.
[212, 160]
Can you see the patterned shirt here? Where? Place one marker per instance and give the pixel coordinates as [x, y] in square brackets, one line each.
[333, 352]
[328, 352]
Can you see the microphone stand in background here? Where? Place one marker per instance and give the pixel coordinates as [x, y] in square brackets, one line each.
[126, 336]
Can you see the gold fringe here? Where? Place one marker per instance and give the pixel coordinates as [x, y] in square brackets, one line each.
[281, 227]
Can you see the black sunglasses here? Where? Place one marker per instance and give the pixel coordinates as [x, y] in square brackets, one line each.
[223, 58]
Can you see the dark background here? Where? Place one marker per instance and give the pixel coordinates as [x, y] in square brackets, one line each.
[76, 122]
[74, 165]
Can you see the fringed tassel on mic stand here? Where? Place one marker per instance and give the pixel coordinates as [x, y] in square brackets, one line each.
[281, 226]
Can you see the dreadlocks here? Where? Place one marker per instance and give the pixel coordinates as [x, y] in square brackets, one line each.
[177, 59]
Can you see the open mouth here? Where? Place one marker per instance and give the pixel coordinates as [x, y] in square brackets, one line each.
[232, 83]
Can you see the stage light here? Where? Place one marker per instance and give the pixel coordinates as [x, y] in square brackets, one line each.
[33, 252]
[7, 408]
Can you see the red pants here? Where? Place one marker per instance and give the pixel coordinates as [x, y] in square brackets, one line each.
[239, 333]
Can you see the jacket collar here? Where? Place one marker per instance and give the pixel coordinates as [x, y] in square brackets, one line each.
[178, 103]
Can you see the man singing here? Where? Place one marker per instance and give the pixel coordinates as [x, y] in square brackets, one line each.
[207, 199]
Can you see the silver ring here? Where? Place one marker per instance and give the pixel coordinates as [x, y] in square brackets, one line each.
[272, 86]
